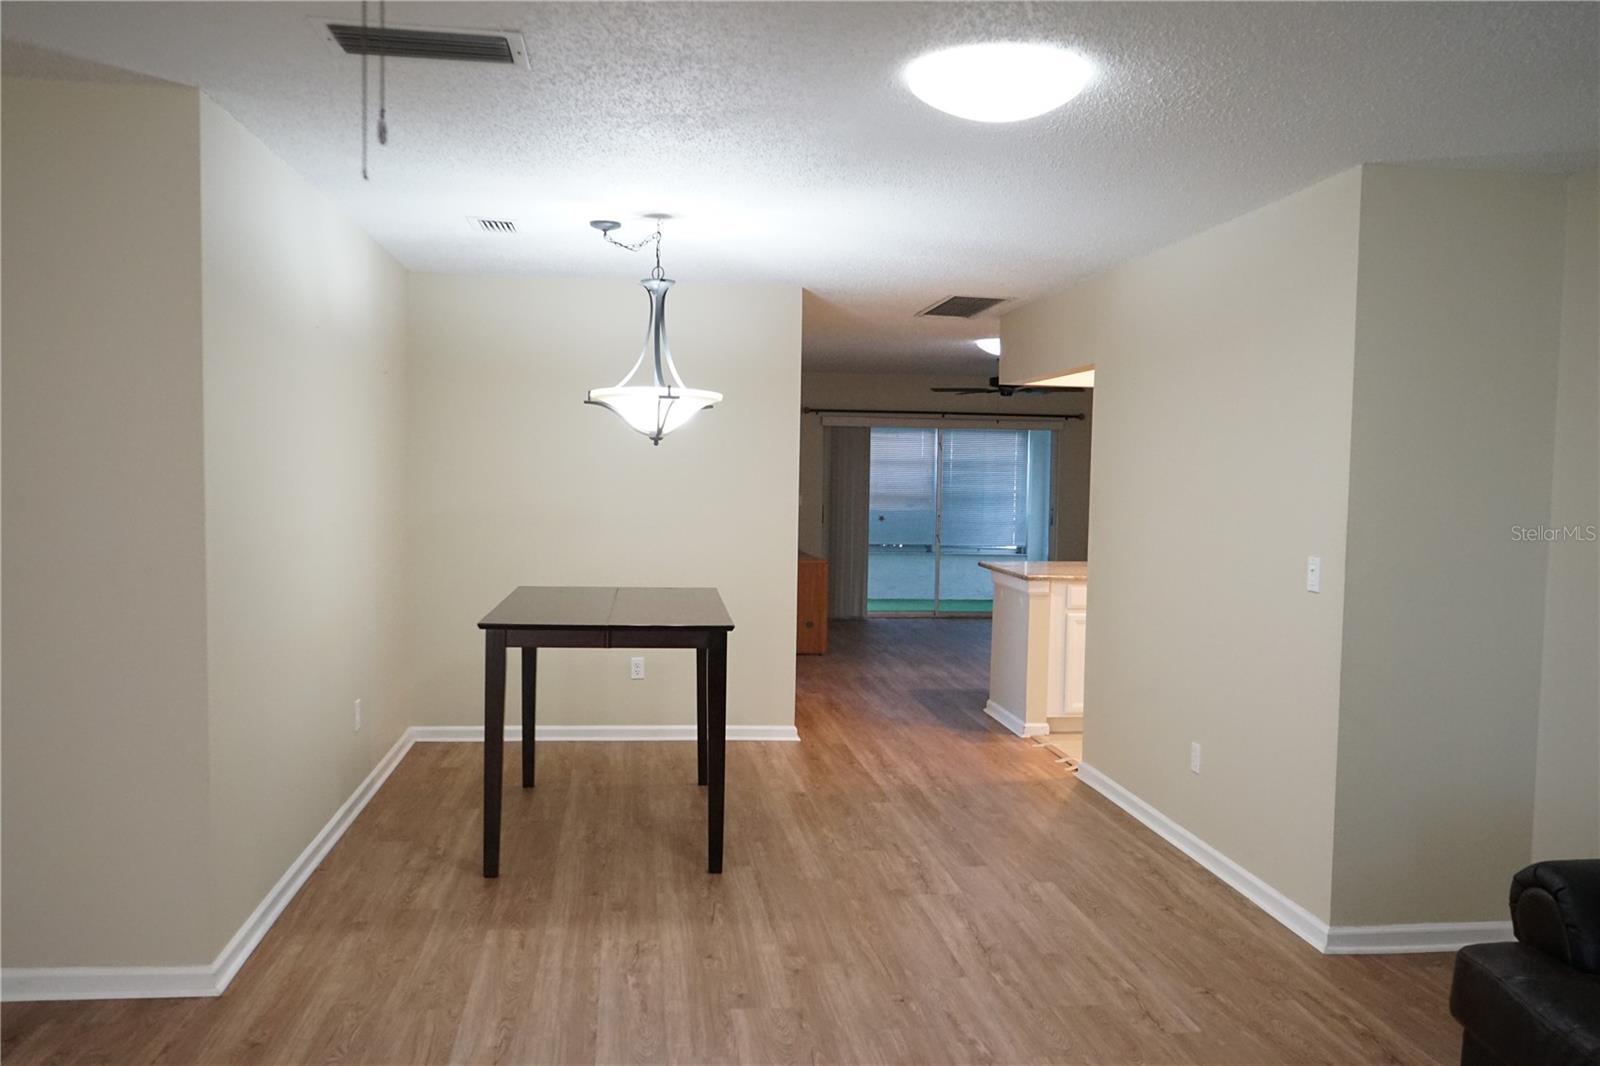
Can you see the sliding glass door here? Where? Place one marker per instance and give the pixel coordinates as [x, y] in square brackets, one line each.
[983, 512]
[941, 501]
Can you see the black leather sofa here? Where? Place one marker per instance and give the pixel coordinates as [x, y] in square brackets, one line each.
[1536, 1001]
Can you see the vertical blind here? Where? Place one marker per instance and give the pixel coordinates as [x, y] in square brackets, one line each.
[848, 448]
[983, 495]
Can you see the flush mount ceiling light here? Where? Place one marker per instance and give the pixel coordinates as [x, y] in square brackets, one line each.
[1002, 81]
[655, 401]
[989, 344]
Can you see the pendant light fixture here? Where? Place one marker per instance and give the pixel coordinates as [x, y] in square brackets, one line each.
[652, 398]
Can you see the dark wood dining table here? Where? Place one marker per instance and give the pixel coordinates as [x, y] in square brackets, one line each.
[536, 616]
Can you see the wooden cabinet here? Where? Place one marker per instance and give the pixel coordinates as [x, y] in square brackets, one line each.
[811, 632]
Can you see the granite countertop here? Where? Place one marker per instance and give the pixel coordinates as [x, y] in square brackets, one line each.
[1041, 571]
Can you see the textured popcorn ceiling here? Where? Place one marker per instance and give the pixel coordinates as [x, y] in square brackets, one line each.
[781, 137]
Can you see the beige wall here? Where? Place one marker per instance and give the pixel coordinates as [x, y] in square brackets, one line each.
[910, 392]
[205, 368]
[1455, 377]
[104, 609]
[304, 400]
[1201, 628]
[514, 481]
[1567, 794]
[1390, 405]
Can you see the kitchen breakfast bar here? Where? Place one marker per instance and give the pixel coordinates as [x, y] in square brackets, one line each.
[1041, 612]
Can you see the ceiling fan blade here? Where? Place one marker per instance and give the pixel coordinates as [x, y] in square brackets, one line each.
[960, 392]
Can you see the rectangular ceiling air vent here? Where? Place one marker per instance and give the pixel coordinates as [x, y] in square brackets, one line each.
[399, 42]
[961, 306]
[496, 225]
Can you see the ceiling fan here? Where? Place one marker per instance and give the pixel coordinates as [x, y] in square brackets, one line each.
[995, 387]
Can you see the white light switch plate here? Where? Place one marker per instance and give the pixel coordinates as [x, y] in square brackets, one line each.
[357, 728]
[1313, 573]
[1194, 757]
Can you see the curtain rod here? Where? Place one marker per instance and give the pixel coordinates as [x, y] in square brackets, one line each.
[935, 414]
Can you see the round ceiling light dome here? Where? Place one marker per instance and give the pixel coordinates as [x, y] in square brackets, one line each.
[1000, 81]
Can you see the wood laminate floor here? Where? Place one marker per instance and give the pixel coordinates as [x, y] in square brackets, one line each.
[910, 884]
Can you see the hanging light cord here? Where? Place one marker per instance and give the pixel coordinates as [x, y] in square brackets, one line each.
[364, 175]
[654, 238]
[383, 82]
[383, 85]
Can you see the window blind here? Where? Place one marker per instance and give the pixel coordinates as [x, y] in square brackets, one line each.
[902, 496]
[985, 491]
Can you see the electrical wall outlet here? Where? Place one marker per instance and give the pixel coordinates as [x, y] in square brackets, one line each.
[636, 667]
[357, 723]
[1194, 757]
[1313, 573]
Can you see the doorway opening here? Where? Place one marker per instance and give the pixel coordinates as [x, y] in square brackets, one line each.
[943, 500]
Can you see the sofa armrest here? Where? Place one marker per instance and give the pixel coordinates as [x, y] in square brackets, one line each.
[1555, 907]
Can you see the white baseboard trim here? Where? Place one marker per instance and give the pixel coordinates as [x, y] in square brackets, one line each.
[255, 927]
[107, 982]
[1411, 939]
[21, 985]
[470, 733]
[1297, 919]
[1011, 721]
[1065, 723]
[167, 982]
[1330, 940]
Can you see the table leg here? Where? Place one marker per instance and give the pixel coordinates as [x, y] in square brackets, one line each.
[530, 681]
[494, 728]
[700, 656]
[716, 738]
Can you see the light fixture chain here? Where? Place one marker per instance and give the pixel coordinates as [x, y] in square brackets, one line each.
[636, 245]
[654, 238]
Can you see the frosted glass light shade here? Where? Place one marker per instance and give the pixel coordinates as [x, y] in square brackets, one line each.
[654, 402]
[654, 410]
[1000, 81]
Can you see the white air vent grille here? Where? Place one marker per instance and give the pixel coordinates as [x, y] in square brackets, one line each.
[495, 225]
[494, 47]
[961, 306]
[421, 44]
